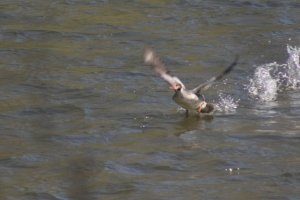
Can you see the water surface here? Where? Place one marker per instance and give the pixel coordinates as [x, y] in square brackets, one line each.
[83, 118]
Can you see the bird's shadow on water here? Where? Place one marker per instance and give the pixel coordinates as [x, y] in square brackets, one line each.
[193, 122]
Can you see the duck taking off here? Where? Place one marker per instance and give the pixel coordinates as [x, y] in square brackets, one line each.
[191, 100]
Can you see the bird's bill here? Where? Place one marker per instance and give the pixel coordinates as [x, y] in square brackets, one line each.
[174, 87]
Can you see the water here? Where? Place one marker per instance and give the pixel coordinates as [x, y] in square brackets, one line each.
[269, 79]
[83, 118]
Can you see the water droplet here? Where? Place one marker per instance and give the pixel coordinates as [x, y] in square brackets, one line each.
[270, 78]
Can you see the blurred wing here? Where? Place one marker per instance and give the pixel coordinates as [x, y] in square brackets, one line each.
[152, 59]
[204, 86]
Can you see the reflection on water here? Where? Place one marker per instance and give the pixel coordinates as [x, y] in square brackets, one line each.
[81, 117]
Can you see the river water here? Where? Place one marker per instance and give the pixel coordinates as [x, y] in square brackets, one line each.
[82, 117]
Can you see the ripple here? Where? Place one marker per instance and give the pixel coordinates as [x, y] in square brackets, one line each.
[42, 195]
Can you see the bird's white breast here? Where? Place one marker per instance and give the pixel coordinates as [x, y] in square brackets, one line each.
[186, 99]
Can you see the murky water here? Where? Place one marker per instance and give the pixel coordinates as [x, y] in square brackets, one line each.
[83, 118]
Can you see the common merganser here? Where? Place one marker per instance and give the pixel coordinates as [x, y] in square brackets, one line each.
[190, 100]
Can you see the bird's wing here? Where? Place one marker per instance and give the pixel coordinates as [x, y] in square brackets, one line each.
[204, 86]
[152, 59]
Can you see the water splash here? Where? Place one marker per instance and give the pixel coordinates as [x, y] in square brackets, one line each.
[227, 103]
[263, 86]
[293, 66]
[269, 79]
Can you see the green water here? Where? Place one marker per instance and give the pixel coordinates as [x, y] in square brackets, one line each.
[81, 116]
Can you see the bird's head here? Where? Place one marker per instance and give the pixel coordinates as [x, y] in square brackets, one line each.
[176, 87]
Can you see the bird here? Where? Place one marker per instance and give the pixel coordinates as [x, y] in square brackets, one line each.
[192, 100]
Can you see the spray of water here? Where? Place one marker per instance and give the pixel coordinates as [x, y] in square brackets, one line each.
[262, 86]
[293, 66]
[227, 103]
[269, 79]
